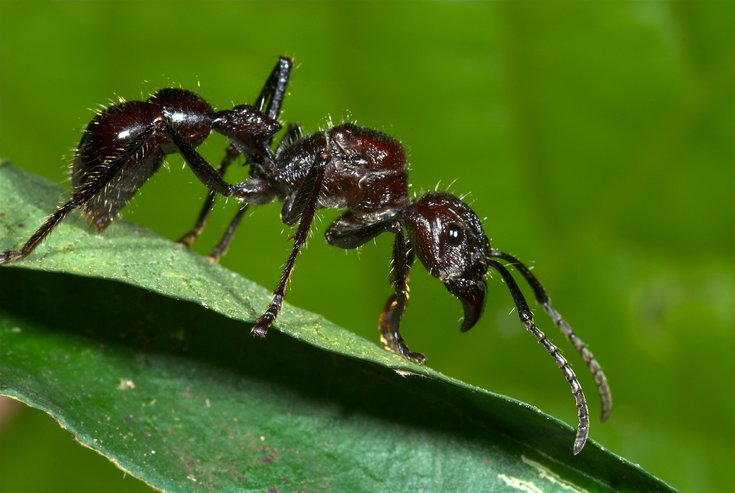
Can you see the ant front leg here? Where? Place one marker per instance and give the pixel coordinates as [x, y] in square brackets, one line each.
[350, 231]
[390, 317]
[304, 205]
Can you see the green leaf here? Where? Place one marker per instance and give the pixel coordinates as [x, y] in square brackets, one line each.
[141, 349]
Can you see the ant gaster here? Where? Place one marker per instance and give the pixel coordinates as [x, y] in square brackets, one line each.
[346, 167]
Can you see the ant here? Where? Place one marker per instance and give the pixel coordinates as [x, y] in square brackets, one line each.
[345, 167]
[126, 143]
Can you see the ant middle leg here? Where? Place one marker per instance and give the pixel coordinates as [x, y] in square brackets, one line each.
[304, 206]
[293, 133]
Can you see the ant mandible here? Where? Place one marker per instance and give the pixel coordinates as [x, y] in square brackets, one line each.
[346, 167]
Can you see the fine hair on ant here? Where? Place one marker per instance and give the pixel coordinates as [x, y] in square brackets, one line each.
[356, 169]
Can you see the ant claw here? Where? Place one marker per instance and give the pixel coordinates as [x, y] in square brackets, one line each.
[417, 358]
[259, 331]
[187, 240]
[214, 257]
[402, 349]
[10, 256]
[410, 355]
[261, 326]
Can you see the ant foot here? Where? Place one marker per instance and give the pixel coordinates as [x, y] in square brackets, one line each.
[10, 256]
[410, 355]
[216, 254]
[188, 239]
[214, 257]
[261, 326]
[415, 357]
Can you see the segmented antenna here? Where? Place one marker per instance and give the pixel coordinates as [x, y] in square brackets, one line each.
[583, 418]
[602, 386]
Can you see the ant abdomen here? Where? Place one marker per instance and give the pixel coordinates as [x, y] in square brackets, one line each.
[126, 143]
[360, 170]
[113, 130]
[189, 115]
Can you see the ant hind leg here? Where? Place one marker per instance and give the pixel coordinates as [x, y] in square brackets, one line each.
[80, 197]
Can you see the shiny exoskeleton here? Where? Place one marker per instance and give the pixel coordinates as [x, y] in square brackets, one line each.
[359, 170]
[126, 144]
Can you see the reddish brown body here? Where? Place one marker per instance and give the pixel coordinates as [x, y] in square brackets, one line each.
[357, 169]
[366, 172]
[116, 127]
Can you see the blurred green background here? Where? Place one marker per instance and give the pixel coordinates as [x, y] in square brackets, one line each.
[596, 137]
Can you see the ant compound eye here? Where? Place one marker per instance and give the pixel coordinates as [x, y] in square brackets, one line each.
[455, 235]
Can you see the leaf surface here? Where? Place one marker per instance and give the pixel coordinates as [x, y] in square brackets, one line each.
[142, 350]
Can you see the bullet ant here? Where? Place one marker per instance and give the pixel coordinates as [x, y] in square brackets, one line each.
[345, 167]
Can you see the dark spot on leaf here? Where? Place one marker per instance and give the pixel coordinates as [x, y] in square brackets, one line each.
[190, 465]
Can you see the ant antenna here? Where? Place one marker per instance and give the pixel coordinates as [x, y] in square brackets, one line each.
[583, 418]
[594, 367]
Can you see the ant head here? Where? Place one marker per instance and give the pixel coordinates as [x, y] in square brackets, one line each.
[448, 238]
